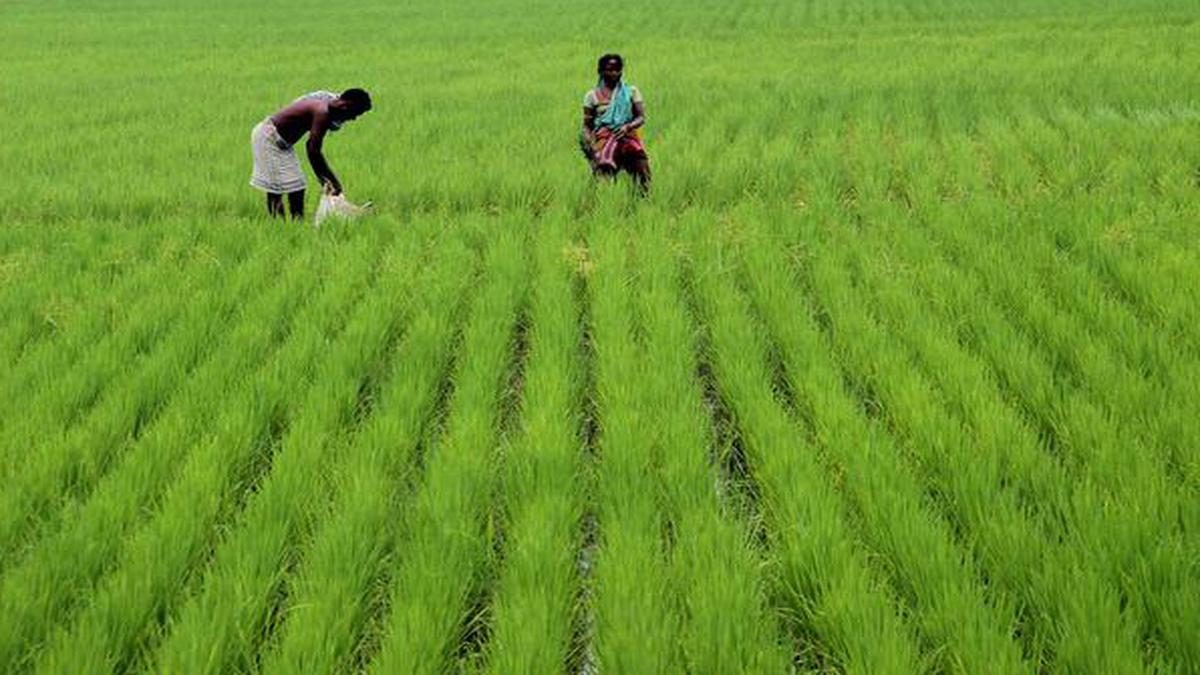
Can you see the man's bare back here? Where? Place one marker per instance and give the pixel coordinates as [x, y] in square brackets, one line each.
[276, 170]
[309, 115]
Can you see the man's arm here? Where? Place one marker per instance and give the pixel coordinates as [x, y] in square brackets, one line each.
[316, 137]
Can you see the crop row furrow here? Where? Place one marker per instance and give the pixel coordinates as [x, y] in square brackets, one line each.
[222, 625]
[445, 547]
[633, 628]
[133, 404]
[51, 579]
[102, 387]
[582, 655]
[331, 600]
[532, 608]
[716, 569]
[155, 565]
[825, 578]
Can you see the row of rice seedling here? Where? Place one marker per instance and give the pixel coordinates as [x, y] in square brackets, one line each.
[1158, 372]
[70, 464]
[1150, 516]
[72, 392]
[634, 627]
[1167, 298]
[1085, 153]
[64, 397]
[56, 285]
[52, 272]
[1156, 405]
[40, 470]
[51, 578]
[1108, 532]
[962, 627]
[1054, 238]
[334, 595]
[1134, 539]
[1152, 402]
[1120, 236]
[221, 625]
[1044, 235]
[535, 608]
[94, 305]
[1098, 363]
[826, 582]
[1139, 153]
[1069, 610]
[445, 546]
[717, 574]
[154, 566]
[1111, 362]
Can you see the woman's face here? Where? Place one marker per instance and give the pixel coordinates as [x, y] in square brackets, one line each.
[611, 71]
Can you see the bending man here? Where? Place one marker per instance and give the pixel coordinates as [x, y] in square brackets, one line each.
[276, 168]
[612, 117]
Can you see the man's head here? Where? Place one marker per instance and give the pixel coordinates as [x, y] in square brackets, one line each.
[609, 68]
[351, 104]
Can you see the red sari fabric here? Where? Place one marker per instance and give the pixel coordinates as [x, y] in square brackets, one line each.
[611, 153]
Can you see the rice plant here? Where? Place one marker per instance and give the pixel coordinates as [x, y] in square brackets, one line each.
[894, 368]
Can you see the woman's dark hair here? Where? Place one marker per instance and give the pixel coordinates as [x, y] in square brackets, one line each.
[359, 98]
[609, 57]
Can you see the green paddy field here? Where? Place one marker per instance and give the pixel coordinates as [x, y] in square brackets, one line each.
[897, 369]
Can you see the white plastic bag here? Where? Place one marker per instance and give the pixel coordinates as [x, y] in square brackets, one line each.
[337, 206]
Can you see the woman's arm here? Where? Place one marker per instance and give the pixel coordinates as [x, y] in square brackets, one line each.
[639, 118]
[589, 119]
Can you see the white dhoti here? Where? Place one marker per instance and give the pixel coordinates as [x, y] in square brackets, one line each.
[276, 167]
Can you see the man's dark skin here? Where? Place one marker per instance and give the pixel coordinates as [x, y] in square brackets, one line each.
[611, 75]
[314, 117]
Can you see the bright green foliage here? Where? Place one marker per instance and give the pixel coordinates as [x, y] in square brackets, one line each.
[329, 608]
[896, 369]
[635, 629]
[718, 571]
[42, 585]
[292, 496]
[443, 550]
[949, 607]
[218, 473]
[824, 574]
[72, 462]
[536, 590]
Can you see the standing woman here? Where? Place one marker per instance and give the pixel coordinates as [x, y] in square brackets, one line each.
[612, 117]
